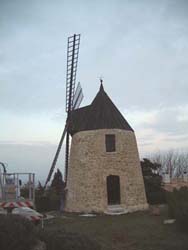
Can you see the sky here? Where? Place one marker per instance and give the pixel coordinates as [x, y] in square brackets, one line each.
[140, 48]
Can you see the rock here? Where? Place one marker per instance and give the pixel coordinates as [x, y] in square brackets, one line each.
[87, 215]
[40, 246]
[155, 211]
[169, 221]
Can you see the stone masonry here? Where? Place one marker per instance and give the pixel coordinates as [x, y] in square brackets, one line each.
[90, 165]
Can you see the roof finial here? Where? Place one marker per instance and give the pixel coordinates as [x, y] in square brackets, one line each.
[101, 81]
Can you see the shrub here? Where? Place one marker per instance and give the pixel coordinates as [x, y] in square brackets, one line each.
[42, 203]
[61, 240]
[47, 201]
[178, 206]
[54, 199]
[16, 233]
[152, 181]
[157, 197]
[154, 192]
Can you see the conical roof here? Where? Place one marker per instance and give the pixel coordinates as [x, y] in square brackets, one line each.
[100, 114]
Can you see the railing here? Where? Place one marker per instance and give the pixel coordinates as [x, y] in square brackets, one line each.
[11, 186]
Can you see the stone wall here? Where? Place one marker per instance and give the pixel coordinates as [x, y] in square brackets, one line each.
[90, 165]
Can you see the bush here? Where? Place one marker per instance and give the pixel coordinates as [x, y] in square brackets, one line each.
[158, 197]
[42, 203]
[54, 199]
[47, 201]
[16, 233]
[152, 181]
[178, 206]
[154, 192]
[61, 240]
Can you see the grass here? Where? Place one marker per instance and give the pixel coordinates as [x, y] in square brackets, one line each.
[136, 231]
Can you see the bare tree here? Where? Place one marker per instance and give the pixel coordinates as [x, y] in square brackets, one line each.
[173, 162]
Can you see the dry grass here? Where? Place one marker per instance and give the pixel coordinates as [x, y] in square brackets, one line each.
[136, 231]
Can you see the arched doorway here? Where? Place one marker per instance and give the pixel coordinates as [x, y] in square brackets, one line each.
[113, 189]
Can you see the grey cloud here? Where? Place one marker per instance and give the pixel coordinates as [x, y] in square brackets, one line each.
[30, 157]
[161, 128]
[135, 46]
[178, 138]
[139, 47]
[176, 9]
[168, 123]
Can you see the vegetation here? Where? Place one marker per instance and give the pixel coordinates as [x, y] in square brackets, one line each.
[174, 162]
[49, 199]
[134, 231]
[16, 233]
[60, 239]
[178, 206]
[152, 180]
[57, 183]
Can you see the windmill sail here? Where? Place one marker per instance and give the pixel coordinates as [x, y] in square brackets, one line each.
[56, 155]
[78, 97]
[72, 62]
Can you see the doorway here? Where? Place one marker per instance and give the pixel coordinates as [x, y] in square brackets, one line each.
[113, 189]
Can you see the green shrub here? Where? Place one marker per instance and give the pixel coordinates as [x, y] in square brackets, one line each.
[47, 201]
[178, 206]
[61, 240]
[42, 203]
[16, 233]
[54, 200]
[157, 197]
[152, 181]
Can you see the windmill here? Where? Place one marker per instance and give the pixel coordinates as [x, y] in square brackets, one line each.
[74, 98]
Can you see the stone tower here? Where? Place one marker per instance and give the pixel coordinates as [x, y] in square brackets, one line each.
[104, 167]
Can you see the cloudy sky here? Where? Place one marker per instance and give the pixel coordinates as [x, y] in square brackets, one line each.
[139, 47]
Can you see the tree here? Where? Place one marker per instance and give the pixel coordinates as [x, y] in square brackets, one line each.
[150, 168]
[40, 189]
[57, 183]
[173, 162]
[152, 181]
[50, 198]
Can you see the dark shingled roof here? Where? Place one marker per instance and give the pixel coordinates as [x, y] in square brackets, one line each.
[100, 114]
